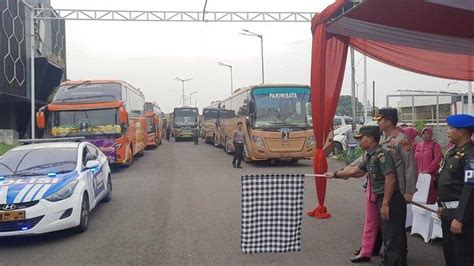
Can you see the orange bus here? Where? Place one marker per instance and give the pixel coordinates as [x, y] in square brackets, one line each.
[154, 124]
[209, 131]
[276, 119]
[108, 113]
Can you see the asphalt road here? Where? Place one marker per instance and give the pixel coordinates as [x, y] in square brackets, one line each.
[180, 204]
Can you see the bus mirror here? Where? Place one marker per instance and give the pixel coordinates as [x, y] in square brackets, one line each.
[40, 121]
[123, 116]
[251, 107]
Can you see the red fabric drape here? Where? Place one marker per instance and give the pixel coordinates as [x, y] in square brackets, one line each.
[443, 65]
[328, 63]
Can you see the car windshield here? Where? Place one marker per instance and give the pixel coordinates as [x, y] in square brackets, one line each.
[88, 93]
[84, 123]
[34, 162]
[277, 107]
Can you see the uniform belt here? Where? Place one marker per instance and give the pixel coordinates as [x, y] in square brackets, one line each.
[450, 204]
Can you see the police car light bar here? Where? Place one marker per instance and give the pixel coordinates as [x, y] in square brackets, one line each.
[71, 139]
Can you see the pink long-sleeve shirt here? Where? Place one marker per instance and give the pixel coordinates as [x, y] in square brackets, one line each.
[428, 157]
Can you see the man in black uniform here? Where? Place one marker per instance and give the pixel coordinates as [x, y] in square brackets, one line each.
[391, 204]
[456, 193]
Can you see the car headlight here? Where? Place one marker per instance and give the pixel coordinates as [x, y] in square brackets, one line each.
[310, 141]
[64, 193]
[258, 141]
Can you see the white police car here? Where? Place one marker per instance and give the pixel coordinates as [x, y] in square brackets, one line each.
[51, 186]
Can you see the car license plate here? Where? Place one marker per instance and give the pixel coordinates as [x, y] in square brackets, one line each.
[12, 216]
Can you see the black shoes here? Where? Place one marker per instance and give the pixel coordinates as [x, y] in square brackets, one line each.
[233, 164]
[359, 259]
[238, 166]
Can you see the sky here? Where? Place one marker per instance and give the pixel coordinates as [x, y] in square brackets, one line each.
[150, 55]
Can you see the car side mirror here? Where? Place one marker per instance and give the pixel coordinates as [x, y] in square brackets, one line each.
[40, 120]
[92, 164]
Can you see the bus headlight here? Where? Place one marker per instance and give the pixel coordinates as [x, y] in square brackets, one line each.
[64, 193]
[310, 141]
[258, 141]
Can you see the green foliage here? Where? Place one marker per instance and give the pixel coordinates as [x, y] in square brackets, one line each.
[4, 148]
[344, 107]
[419, 125]
[343, 155]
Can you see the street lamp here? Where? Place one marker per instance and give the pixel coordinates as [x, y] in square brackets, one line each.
[183, 81]
[253, 34]
[190, 99]
[231, 77]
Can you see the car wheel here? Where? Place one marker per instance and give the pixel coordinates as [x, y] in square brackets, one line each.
[337, 148]
[108, 197]
[84, 217]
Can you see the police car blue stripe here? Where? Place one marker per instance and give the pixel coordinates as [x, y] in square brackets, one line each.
[29, 195]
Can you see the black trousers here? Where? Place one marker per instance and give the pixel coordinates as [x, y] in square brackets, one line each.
[239, 153]
[393, 230]
[458, 249]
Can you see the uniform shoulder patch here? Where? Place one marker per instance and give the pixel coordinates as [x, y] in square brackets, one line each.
[406, 143]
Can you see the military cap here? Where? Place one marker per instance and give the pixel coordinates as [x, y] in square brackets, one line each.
[372, 131]
[460, 121]
[386, 112]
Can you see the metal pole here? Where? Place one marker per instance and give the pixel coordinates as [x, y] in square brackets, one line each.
[413, 109]
[263, 69]
[365, 89]
[437, 111]
[184, 103]
[353, 84]
[231, 82]
[462, 105]
[373, 97]
[387, 100]
[33, 89]
[469, 97]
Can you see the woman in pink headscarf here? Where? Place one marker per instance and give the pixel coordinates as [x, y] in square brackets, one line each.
[428, 157]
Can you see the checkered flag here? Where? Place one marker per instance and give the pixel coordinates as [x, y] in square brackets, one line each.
[272, 209]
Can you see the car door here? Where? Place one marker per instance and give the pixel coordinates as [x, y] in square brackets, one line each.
[97, 174]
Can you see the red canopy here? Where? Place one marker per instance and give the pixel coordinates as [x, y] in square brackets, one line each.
[432, 37]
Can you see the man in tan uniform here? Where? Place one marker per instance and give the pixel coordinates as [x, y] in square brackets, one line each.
[400, 148]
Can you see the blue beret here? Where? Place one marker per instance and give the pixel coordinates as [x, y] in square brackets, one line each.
[460, 121]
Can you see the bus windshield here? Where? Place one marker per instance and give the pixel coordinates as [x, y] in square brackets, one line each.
[210, 114]
[89, 93]
[84, 122]
[281, 106]
[185, 117]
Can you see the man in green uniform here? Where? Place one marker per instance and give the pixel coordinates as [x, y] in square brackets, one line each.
[456, 193]
[390, 202]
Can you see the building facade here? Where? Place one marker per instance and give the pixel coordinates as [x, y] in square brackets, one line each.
[15, 61]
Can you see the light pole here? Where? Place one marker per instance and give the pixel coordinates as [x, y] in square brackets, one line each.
[357, 96]
[249, 33]
[231, 77]
[183, 81]
[190, 97]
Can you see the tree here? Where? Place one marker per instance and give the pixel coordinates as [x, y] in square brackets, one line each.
[344, 107]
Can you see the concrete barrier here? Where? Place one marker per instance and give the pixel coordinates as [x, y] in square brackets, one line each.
[8, 136]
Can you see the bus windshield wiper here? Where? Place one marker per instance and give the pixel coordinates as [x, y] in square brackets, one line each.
[87, 97]
[77, 85]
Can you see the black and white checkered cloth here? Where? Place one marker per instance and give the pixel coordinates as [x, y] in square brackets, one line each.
[272, 209]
